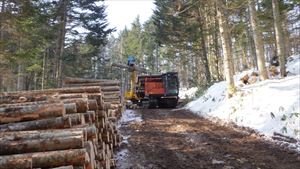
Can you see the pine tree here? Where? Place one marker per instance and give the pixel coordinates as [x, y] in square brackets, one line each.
[258, 40]
[279, 37]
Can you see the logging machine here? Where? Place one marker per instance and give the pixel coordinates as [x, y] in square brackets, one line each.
[150, 91]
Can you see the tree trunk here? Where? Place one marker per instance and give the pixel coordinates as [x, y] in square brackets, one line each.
[20, 78]
[41, 145]
[52, 158]
[203, 47]
[258, 40]
[228, 60]
[44, 69]
[61, 40]
[216, 48]
[279, 37]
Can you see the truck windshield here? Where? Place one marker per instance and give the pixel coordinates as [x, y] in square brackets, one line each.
[172, 84]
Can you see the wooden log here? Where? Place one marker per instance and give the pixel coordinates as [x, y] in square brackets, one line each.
[7, 99]
[92, 105]
[90, 149]
[94, 96]
[70, 108]
[90, 117]
[79, 167]
[40, 145]
[70, 96]
[38, 93]
[41, 134]
[111, 97]
[76, 119]
[110, 88]
[81, 104]
[53, 123]
[69, 80]
[76, 157]
[31, 112]
[90, 130]
[51, 101]
[63, 167]
[113, 93]
[16, 163]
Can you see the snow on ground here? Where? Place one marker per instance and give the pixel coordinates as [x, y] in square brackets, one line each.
[185, 93]
[129, 116]
[267, 106]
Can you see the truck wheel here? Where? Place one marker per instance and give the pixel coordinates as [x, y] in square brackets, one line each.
[152, 103]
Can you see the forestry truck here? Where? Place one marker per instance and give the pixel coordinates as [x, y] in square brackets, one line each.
[151, 91]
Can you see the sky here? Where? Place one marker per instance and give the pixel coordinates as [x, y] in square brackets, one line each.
[121, 13]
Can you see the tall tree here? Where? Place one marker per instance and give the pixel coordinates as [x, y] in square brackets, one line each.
[279, 37]
[227, 52]
[258, 40]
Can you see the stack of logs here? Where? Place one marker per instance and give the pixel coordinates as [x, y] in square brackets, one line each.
[64, 128]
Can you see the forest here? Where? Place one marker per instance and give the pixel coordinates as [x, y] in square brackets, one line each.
[43, 41]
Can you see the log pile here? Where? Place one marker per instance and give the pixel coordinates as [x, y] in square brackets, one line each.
[73, 127]
[110, 90]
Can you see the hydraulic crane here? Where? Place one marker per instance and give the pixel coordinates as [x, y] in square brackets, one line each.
[151, 90]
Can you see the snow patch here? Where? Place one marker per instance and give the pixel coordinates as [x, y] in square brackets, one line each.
[129, 116]
[185, 93]
[267, 106]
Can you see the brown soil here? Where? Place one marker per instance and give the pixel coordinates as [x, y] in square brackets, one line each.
[180, 139]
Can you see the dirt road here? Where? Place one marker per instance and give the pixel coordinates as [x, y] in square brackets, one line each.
[162, 138]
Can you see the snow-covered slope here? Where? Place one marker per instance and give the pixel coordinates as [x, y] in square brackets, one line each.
[267, 106]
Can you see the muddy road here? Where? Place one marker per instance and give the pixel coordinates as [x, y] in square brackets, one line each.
[174, 139]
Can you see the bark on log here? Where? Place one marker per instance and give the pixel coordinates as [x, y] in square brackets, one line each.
[76, 157]
[51, 101]
[90, 130]
[92, 105]
[70, 108]
[8, 99]
[53, 123]
[16, 163]
[32, 112]
[110, 89]
[41, 134]
[81, 104]
[90, 149]
[90, 117]
[39, 93]
[69, 96]
[76, 119]
[69, 80]
[101, 84]
[63, 167]
[40, 145]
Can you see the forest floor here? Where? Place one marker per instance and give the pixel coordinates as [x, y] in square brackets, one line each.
[165, 138]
